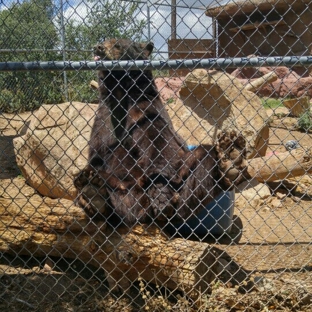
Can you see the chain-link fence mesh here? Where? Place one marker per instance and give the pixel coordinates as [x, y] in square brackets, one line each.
[187, 188]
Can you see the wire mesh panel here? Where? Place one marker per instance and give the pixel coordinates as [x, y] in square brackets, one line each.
[155, 155]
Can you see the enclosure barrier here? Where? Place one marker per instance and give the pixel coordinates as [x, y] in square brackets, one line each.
[224, 125]
[221, 63]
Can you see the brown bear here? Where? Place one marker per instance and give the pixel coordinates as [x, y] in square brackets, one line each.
[139, 168]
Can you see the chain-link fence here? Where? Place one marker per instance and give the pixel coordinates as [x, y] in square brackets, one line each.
[187, 188]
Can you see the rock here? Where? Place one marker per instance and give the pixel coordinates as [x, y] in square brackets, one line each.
[264, 284]
[265, 209]
[296, 199]
[250, 72]
[193, 129]
[257, 72]
[281, 194]
[275, 203]
[221, 100]
[301, 186]
[251, 193]
[293, 87]
[290, 84]
[282, 120]
[168, 88]
[297, 106]
[55, 147]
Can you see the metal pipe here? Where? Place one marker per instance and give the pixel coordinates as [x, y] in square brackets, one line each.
[63, 48]
[173, 19]
[170, 64]
[148, 21]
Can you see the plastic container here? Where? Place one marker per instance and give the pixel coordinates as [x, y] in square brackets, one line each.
[216, 219]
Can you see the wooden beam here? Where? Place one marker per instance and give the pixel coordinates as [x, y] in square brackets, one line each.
[257, 25]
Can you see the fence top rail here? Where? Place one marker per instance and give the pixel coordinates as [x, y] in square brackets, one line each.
[169, 64]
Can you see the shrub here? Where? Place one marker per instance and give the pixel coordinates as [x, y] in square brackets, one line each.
[305, 121]
[271, 103]
[6, 98]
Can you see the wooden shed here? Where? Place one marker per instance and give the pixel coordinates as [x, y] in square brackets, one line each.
[189, 49]
[262, 27]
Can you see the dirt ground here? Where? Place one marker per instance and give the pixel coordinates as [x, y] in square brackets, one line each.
[270, 241]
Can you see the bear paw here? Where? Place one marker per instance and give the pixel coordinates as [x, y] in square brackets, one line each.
[231, 149]
[91, 193]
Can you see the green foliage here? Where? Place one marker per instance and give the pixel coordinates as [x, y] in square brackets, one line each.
[32, 25]
[161, 73]
[28, 26]
[305, 121]
[79, 89]
[271, 103]
[26, 91]
[114, 19]
[170, 100]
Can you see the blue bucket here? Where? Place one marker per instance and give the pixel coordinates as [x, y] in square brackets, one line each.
[216, 219]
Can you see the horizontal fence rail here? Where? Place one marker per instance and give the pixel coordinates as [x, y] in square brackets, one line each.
[170, 64]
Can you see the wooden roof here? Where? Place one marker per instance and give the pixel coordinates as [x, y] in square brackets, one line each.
[248, 6]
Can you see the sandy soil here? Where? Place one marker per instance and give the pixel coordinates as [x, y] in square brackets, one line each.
[272, 243]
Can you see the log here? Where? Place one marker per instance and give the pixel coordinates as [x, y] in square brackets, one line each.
[94, 85]
[279, 166]
[39, 226]
[260, 82]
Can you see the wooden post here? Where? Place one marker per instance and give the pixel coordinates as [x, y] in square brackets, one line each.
[173, 19]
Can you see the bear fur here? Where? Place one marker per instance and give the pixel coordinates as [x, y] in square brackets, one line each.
[139, 168]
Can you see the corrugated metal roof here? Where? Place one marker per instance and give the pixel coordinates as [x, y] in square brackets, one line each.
[230, 8]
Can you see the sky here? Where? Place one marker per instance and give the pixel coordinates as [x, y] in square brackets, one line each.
[192, 23]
